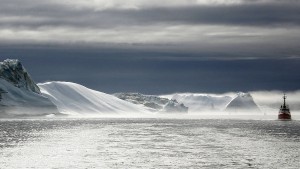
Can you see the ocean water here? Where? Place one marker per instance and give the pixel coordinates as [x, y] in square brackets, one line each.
[149, 143]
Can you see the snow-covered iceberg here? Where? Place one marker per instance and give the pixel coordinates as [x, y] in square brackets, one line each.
[19, 95]
[75, 99]
[154, 103]
[243, 102]
[13, 72]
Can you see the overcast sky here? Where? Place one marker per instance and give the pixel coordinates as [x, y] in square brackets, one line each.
[154, 46]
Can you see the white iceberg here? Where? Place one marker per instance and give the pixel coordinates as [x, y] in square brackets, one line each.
[19, 95]
[75, 99]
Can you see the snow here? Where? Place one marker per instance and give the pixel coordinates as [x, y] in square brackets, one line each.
[19, 95]
[75, 99]
[21, 102]
[13, 71]
[268, 102]
[243, 102]
[202, 102]
[154, 103]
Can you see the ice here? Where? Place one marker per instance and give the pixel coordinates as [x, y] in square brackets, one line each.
[75, 99]
[20, 96]
[268, 102]
[154, 103]
[202, 102]
[243, 102]
[20, 102]
[13, 71]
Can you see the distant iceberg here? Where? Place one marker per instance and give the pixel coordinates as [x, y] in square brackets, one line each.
[154, 103]
[243, 102]
[201, 102]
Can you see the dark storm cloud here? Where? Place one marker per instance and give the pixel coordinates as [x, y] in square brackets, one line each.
[54, 15]
[247, 25]
[256, 15]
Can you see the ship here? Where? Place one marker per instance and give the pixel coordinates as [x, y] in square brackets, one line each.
[284, 112]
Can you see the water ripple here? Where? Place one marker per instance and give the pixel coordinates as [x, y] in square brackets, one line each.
[149, 143]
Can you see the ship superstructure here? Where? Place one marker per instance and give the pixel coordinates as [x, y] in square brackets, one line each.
[284, 112]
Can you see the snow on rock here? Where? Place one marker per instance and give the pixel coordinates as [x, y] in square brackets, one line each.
[154, 103]
[12, 71]
[241, 103]
[200, 102]
[19, 95]
[75, 99]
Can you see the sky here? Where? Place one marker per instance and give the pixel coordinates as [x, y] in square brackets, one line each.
[154, 46]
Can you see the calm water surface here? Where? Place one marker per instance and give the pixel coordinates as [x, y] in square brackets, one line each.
[149, 143]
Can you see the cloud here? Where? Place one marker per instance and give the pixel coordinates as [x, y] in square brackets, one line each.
[156, 46]
[248, 29]
[55, 15]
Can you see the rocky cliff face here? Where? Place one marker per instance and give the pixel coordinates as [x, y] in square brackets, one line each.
[154, 103]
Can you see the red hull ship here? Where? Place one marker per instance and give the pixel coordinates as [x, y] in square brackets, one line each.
[284, 112]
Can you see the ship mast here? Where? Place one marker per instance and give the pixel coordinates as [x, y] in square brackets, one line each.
[284, 97]
[284, 112]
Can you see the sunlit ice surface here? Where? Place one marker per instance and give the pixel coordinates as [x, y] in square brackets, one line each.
[149, 143]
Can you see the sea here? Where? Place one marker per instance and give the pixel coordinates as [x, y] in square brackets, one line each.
[156, 143]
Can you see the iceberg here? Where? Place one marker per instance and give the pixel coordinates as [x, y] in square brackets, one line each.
[19, 95]
[201, 102]
[13, 72]
[154, 103]
[74, 99]
[243, 102]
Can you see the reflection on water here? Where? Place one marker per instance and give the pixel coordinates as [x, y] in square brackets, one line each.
[149, 143]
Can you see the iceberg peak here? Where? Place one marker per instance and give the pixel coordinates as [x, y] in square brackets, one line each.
[13, 72]
[243, 102]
